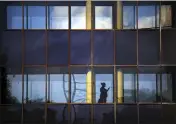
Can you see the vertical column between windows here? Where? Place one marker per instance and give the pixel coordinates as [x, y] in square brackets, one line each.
[119, 86]
[119, 15]
[88, 14]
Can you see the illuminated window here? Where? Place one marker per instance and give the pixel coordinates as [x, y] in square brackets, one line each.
[15, 17]
[36, 17]
[58, 17]
[78, 17]
[103, 17]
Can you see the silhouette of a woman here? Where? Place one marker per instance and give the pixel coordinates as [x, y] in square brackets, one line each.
[103, 93]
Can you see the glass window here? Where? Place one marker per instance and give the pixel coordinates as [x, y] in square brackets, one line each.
[36, 17]
[35, 86]
[15, 17]
[58, 17]
[79, 85]
[58, 88]
[78, 17]
[15, 86]
[147, 87]
[128, 17]
[166, 87]
[103, 17]
[104, 84]
[166, 16]
[146, 17]
[129, 88]
[58, 80]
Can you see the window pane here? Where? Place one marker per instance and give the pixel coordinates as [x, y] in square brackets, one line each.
[80, 47]
[103, 17]
[166, 14]
[151, 114]
[103, 47]
[104, 84]
[36, 17]
[58, 47]
[128, 17]
[127, 114]
[15, 88]
[129, 88]
[58, 17]
[33, 114]
[146, 16]
[34, 85]
[147, 87]
[78, 17]
[35, 47]
[57, 113]
[166, 87]
[15, 17]
[58, 87]
[103, 114]
[11, 114]
[78, 84]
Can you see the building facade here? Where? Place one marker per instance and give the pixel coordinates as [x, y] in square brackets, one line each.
[56, 55]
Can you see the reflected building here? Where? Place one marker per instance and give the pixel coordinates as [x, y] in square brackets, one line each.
[54, 56]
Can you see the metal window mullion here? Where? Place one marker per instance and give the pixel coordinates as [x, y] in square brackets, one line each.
[69, 67]
[137, 76]
[46, 60]
[22, 69]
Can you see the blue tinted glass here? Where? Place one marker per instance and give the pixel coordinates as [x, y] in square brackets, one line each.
[103, 47]
[128, 17]
[36, 87]
[147, 87]
[58, 47]
[58, 17]
[35, 48]
[15, 17]
[12, 48]
[79, 84]
[36, 17]
[146, 16]
[149, 47]
[129, 88]
[80, 47]
[58, 88]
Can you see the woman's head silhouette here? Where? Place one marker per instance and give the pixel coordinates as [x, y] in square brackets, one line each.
[103, 84]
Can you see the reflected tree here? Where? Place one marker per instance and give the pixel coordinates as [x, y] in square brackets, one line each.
[6, 95]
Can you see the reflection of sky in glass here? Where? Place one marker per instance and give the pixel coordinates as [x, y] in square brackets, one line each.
[36, 17]
[56, 87]
[14, 17]
[58, 17]
[36, 86]
[128, 17]
[78, 16]
[103, 17]
[78, 85]
[146, 16]
[108, 79]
